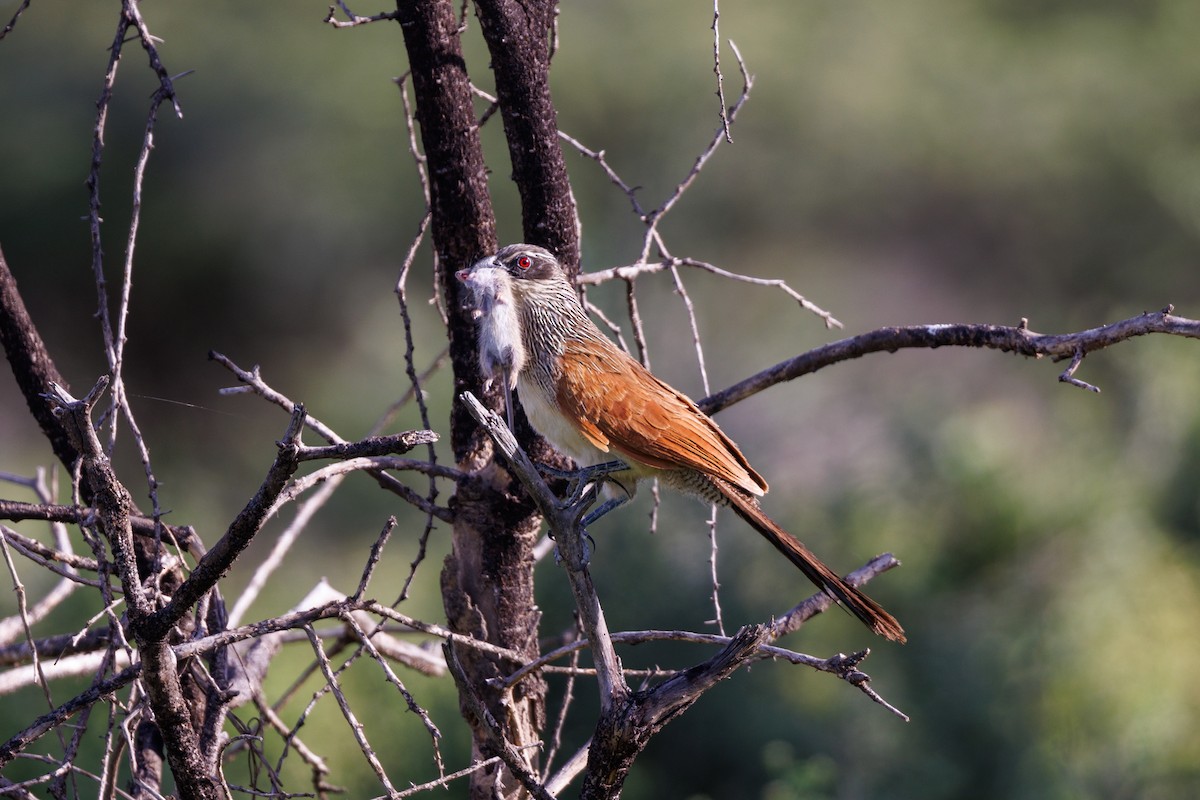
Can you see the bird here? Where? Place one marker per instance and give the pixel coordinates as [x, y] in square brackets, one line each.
[595, 403]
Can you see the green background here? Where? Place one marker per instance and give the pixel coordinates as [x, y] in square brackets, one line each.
[897, 163]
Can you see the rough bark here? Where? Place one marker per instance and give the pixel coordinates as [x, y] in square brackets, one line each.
[487, 581]
[518, 39]
[31, 364]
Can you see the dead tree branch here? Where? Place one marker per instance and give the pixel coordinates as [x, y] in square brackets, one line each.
[1017, 339]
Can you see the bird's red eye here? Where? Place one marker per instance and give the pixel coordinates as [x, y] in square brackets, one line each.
[524, 262]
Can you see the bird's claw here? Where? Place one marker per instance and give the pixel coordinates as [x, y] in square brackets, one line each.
[585, 554]
[583, 479]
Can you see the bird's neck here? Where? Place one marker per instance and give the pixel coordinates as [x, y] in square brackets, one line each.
[551, 316]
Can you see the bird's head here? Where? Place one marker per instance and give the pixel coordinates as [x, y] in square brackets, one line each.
[527, 262]
[523, 269]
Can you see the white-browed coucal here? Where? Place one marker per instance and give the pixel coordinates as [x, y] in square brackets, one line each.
[594, 403]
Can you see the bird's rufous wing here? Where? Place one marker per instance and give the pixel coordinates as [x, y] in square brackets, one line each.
[619, 404]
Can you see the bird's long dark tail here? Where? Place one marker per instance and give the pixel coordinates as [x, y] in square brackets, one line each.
[863, 607]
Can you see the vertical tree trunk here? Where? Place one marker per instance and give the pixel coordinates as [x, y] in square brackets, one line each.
[518, 39]
[487, 581]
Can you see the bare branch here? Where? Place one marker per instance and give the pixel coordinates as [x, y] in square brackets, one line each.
[12, 22]
[353, 20]
[112, 498]
[217, 561]
[181, 535]
[356, 727]
[716, 29]
[1019, 339]
[632, 271]
[564, 522]
[254, 383]
[512, 757]
[397, 444]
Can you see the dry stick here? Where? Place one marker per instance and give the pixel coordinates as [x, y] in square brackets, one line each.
[254, 383]
[218, 561]
[410, 367]
[160, 677]
[110, 762]
[84, 515]
[354, 20]
[574, 765]
[115, 340]
[564, 522]
[116, 348]
[812, 605]
[682, 689]
[328, 479]
[560, 722]
[162, 683]
[508, 753]
[373, 559]
[613, 327]
[635, 320]
[80, 665]
[442, 633]
[389, 414]
[45, 557]
[113, 502]
[273, 719]
[390, 675]
[356, 727]
[445, 780]
[12, 23]
[47, 722]
[655, 217]
[281, 544]
[52, 648]
[44, 554]
[791, 620]
[667, 262]
[27, 625]
[681, 290]
[21, 790]
[212, 642]
[717, 619]
[296, 619]
[1013, 339]
[716, 29]
[93, 180]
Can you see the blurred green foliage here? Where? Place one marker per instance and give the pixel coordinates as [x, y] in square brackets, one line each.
[908, 162]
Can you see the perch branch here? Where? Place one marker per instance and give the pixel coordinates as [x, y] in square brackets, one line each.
[564, 522]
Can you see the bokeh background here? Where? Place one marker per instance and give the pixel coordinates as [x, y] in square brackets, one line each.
[931, 161]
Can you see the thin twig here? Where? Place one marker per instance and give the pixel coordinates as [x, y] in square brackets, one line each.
[512, 756]
[435, 735]
[716, 29]
[353, 20]
[356, 727]
[632, 271]
[12, 22]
